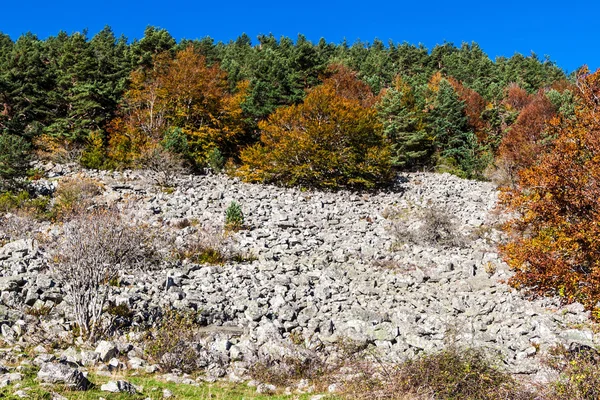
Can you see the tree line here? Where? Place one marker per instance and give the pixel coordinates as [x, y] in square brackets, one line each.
[116, 103]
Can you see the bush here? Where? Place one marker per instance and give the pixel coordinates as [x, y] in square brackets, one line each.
[14, 161]
[289, 369]
[174, 343]
[74, 196]
[216, 161]
[93, 249]
[234, 217]
[58, 149]
[434, 227]
[16, 226]
[579, 373]
[450, 374]
[202, 246]
[165, 164]
[328, 141]
[94, 156]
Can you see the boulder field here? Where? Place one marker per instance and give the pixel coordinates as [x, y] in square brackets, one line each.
[321, 268]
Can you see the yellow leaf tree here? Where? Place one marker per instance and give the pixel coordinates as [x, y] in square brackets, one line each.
[333, 139]
[186, 93]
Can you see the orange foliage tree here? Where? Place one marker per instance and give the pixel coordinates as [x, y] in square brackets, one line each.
[526, 139]
[554, 244]
[333, 139]
[184, 93]
[475, 104]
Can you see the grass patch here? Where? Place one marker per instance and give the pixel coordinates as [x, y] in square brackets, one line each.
[152, 387]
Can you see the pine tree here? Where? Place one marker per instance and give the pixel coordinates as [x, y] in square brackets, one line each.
[403, 126]
[455, 145]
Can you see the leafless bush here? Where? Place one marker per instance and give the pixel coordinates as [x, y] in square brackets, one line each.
[16, 226]
[175, 343]
[425, 225]
[165, 164]
[92, 251]
[207, 246]
[74, 196]
[450, 374]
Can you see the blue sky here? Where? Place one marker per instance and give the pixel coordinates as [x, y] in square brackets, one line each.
[566, 31]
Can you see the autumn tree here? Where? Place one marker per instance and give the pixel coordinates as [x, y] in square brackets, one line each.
[331, 140]
[186, 93]
[526, 139]
[554, 245]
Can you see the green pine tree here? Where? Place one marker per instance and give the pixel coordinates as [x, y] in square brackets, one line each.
[403, 126]
[455, 145]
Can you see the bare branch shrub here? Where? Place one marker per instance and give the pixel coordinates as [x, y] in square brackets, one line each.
[173, 344]
[18, 225]
[74, 196]
[450, 374]
[93, 249]
[165, 164]
[425, 225]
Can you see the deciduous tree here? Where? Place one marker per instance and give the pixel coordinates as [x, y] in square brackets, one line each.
[554, 246]
[331, 140]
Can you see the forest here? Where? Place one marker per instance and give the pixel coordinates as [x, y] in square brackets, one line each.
[323, 115]
[114, 103]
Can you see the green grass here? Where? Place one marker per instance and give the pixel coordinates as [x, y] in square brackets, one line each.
[152, 388]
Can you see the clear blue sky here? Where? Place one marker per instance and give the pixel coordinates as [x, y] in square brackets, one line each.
[566, 31]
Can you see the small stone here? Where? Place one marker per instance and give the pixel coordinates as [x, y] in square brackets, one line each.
[118, 387]
[264, 388]
[106, 350]
[167, 394]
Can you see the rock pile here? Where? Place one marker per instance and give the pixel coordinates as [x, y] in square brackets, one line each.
[325, 268]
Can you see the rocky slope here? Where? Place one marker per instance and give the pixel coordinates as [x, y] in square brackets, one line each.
[328, 268]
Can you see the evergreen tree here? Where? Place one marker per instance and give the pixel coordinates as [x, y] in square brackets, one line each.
[26, 82]
[155, 41]
[455, 145]
[14, 159]
[403, 126]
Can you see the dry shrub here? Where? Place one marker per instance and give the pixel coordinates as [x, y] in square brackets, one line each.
[93, 249]
[289, 369]
[74, 196]
[208, 246]
[450, 374]
[579, 370]
[165, 164]
[17, 226]
[175, 343]
[60, 150]
[425, 226]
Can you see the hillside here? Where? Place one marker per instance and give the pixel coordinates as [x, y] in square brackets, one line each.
[393, 274]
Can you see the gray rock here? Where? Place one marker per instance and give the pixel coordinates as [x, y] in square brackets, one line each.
[106, 350]
[118, 387]
[7, 379]
[265, 388]
[62, 374]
